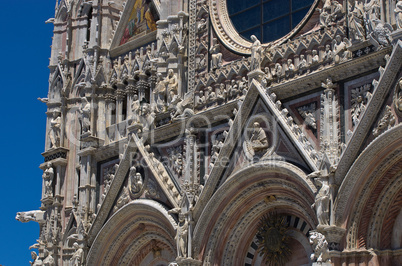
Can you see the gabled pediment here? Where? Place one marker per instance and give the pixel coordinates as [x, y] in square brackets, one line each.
[137, 25]
[123, 189]
[369, 119]
[285, 139]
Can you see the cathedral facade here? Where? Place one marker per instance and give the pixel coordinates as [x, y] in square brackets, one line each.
[223, 132]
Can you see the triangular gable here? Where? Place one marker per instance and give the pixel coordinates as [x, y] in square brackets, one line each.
[158, 172]
[254, 93]
[382, 87]
[138, 19]
[280, 147]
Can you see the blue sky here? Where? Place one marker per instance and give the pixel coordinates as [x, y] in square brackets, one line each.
[25, 51]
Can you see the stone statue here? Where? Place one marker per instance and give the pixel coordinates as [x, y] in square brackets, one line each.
[340, 49]
[320, 247]
[322, 201]
[327, 54]
[372, 12]
[48, 176]
[135, 110]
[398, 14]
[54, 133]
[356, 21]
[36, 260]
[278, 71]
[302, 64]
[49, 260]
[135, 181]
[328, 84]
[381, 34]
[172, 85]
[330, 12]
[315, 58]
[258, 139]
[216, 55]
[182, 236]
[85, 117]
[78, 257]
[256, 54]
[160, 91]
[24, 217]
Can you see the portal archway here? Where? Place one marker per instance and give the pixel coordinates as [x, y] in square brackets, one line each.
[139, 233]
[227, 228]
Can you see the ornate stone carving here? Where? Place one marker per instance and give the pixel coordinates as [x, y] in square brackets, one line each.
[135, 181]
[359, 99]
[176, 159]
[320, 247]
[256, 54]
[330, 12]
[36, 260]
[85, 116]
[36, 216]
[78, 257]
[398, 14]
[329, 127]
[182, 236]
[216, 55]
[257, 143]
[322, 200]
[340, 49]
[48, 260]
[380, 35]
[307, 112]
[273, 239]
[356, 21]
[48, 176]
[55, 127]
[386, 122]
[398, 97]
[123, 199]
[372, 13]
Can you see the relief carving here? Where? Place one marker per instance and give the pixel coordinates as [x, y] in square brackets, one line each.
[359, 99]
[386, 122]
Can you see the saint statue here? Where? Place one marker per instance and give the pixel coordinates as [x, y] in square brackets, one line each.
[256, 54]
[216, 55]
[54, 133]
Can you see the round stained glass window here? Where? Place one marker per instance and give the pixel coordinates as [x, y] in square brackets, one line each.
[268, 20]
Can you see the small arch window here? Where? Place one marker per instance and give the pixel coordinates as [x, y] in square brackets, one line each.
[268, 20]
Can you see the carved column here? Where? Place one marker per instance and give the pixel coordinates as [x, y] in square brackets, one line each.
[101, 121]
[329, 122]
[119, 102]
[110, 106]
[143, 87]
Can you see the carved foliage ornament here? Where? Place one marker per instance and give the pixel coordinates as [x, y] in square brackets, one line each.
[273, 239]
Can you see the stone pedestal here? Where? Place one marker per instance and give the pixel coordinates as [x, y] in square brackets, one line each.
[90, 141]
[333, 235]
[52, 154]
[188, 262]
